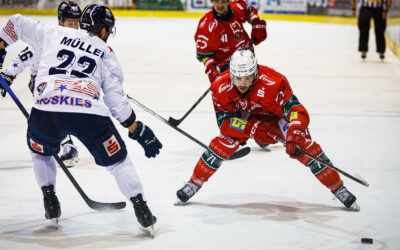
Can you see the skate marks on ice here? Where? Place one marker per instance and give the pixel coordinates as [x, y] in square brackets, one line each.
[279, 211]
[15, 165]
[90, 230]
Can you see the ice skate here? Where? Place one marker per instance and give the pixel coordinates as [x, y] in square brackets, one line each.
[143, 214]
[363, 55]
[186, 192]
[70, 154]
[51, 204]
[381, 56]
[347, 198]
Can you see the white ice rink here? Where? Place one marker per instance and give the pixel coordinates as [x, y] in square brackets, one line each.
[263, 201]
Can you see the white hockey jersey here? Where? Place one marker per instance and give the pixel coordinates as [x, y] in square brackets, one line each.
[74, 68]
[26, 58]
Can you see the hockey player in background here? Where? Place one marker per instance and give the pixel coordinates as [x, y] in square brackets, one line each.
[252, 101]
[75, 65]
[69, 14]
[220, 33]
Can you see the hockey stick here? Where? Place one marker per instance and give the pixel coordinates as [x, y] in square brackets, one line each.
[99, 206]
[175, 122]
[236, 155]
[362, 182]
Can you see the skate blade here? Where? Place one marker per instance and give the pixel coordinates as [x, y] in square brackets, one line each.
[55, 222]
[354, 207]
[150, 229]
[178, 202]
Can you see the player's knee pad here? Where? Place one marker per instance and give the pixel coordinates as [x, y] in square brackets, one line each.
[41, 147]
[109, 148]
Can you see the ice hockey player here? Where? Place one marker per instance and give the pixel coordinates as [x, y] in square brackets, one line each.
[75, 65]
[252, 101]
[220, 33]
[69, 14]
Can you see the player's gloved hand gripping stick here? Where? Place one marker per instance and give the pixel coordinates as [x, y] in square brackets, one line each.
[99, 206]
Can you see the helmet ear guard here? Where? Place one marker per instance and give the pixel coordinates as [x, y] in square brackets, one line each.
[243, 63]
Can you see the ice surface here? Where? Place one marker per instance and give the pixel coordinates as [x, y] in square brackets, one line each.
[263, 201]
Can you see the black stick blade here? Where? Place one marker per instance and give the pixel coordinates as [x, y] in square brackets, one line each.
[239, 154]
[100, 206]
[174, 122]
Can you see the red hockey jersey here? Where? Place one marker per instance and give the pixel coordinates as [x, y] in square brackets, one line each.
[270, 96]
[217, 40]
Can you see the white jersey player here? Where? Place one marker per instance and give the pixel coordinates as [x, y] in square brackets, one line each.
[69, 14]
[75, 67]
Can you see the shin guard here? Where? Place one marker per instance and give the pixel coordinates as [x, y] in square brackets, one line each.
[220, 149]
[327, 176]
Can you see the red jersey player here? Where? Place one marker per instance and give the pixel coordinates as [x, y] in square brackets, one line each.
[220, 33]
[252, 101]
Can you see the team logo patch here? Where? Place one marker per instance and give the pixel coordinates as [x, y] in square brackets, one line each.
[41, 87]
[238, 35]
[293, 116]
[112, 146]
[243, 104]
[36, 146]
[238, 124]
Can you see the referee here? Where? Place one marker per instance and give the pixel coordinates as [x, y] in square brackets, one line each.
[376, 9]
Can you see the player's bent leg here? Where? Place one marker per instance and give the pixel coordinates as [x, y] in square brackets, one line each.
[327, 176]
[45, 171]
[129, 183]
[220, 149]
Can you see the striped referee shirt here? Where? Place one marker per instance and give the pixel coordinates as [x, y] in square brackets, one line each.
[385, 4]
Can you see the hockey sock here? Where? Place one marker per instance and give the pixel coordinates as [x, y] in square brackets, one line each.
[126, 177]
[45, 170]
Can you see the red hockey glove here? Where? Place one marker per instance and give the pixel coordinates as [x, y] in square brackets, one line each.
[259, 31]
[295, 137]
[258, 131]
[212, 72]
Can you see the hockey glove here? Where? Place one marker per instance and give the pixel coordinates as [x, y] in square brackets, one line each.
[9, 80]
[3, 54]
[295, 137]
[146, 138]
[259, 31]
[212, 72]
[258, 131]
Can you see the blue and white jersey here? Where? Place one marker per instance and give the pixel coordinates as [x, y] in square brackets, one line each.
[75, 67]
[26, 58]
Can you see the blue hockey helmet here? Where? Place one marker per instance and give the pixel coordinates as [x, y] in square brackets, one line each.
[68, 10]
[96, 17]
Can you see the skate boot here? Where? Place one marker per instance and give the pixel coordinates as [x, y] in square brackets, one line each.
[143, 214]
[51, 204]
[187, 192]
[70, 154]
[347, 198]
[382, 56]
[363, 55]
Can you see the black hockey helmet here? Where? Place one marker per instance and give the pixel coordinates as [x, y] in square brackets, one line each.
[95, 17]
[68, 10]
